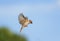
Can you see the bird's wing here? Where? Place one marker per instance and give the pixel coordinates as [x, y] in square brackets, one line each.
[26, 17]
[21, 17]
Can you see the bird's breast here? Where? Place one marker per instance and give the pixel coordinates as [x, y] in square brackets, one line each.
[26, 23]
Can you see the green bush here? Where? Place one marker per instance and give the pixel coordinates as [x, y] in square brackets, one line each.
[6, 35]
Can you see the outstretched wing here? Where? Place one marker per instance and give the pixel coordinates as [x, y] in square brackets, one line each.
[21, 17]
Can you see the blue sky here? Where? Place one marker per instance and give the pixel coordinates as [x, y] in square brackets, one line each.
[45, 15]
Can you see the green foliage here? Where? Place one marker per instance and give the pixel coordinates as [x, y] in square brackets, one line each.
[6, 35]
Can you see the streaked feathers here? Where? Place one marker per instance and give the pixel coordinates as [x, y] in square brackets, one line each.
[23, 20]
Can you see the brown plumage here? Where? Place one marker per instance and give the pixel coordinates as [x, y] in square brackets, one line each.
[23, 21]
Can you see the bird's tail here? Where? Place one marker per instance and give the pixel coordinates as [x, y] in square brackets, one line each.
[21, 29]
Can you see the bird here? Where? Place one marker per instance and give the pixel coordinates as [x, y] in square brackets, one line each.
[24, 21]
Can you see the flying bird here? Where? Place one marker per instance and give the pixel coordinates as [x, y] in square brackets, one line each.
[24, 21]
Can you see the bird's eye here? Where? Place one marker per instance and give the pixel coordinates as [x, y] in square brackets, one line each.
[30, 21]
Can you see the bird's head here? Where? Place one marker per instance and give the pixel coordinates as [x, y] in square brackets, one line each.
[30, 21]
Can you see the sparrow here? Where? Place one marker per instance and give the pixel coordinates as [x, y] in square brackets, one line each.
[24, 21]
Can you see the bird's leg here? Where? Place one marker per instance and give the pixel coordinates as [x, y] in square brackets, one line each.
[21, 28]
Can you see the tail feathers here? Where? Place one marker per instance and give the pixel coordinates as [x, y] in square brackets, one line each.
[21, 29]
